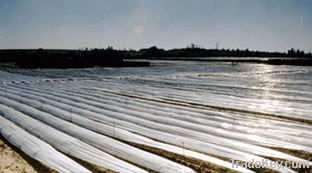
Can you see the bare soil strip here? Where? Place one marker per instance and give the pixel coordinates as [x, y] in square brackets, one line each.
[298, 153]
[283, 161]
[15, 160]
[18, 161]
[90, 166]
[210, 107]
[204, 166]
[196, 164]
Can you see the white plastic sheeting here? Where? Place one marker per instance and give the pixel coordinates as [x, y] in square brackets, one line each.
[181, 86]
[117, 132]
[110, 145]
[208, 128]
[153, 87]
[232, 122]
[204, 117]
[37, 149]
[175, 139]
[7, 78]
[298, 110]
[233, 119]
[66, 143]
[170, 121]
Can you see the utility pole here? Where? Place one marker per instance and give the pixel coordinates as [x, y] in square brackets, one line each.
[114, 129]
[70, 114]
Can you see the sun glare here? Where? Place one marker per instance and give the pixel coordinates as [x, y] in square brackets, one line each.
[138, 29]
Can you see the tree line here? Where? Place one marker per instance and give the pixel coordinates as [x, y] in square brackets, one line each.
[48, 58]
[197, 51]
[62, 58]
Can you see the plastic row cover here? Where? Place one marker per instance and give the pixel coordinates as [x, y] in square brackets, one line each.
[211, 119]
[291, 109]
[121, 134]
[226, 133]
[234, 122]
[170, 121]
[107, 144]
[37, 149]
[172, 129]
[184, 114]
[9, 77]
[201, 146]
[66, 143]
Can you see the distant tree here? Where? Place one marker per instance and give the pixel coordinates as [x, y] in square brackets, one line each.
[72, 54]
[193, 46]
[257, 53]
[298, 52]
[247, 52]
[34, 61]
[40, 51]
[153, 48]
[153, 52]
[291, 52]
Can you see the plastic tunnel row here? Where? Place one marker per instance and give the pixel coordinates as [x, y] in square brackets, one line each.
[110, 131]
[274, 136]
[262, 151]
[280, 107]
[66, 143]
[37, 149]
[85, 117]
[49, 109]
[165, 110]
[201, 117]
[93, 139]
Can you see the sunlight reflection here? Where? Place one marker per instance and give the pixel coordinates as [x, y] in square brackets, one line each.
[266, 82]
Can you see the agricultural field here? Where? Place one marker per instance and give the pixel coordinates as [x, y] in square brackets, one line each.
[175, 116]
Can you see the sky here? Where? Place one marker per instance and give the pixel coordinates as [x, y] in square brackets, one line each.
[263, 25]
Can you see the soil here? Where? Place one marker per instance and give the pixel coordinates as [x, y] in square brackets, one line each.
[13, 160]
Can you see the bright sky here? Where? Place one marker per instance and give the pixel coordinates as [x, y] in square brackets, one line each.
[265, 25]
